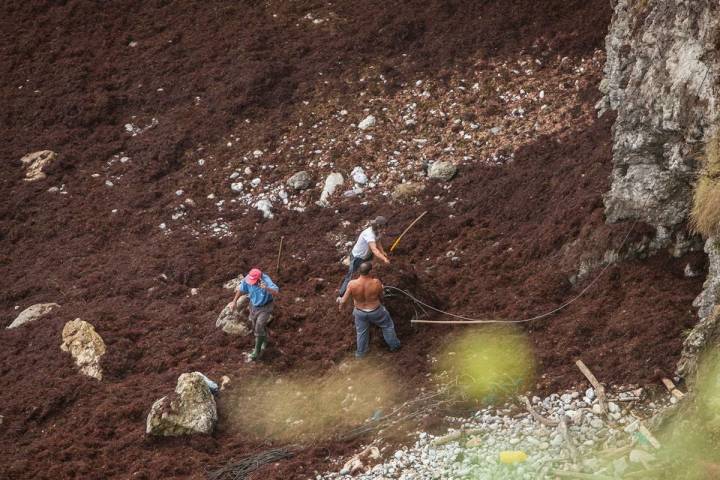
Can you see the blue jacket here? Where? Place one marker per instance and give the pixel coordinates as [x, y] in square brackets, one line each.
[258, 297]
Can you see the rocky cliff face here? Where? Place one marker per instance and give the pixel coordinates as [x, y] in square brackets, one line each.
[661, 78]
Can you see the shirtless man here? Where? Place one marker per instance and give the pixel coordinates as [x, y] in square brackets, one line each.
[366, 293]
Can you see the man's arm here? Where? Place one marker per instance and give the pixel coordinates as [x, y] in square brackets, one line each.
[267, 284]
[233, 304]
[345, 297]
[377, 250]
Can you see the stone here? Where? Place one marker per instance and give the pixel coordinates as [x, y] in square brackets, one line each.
[33, 313]
[640, 456]
[367, 122]
[35, 164]
[235, 322]
[597, 409]
[443, 171]
[407, 191]
[300, 181]
[265, 206]
[613, 407]
[236, 187]
[192, 410]
[332, 181]
[358, 175]
[80, 339]
[233, 284]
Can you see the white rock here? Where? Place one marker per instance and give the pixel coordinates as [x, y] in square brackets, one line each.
[358, 175]
[178, 192]
[35, 164]
[300, 181]
[236, 187]
[333, 181]
[255, 182]
[192, 410]
[108, 183]
[235, 322]
[257, 153]
[367, 122]
[33, 313]
[265, 206]
[443, 171]
[80, 339]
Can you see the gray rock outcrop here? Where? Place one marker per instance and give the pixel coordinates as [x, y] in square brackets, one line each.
[235, 322]
[661, 77]
[191, 410]
[33, 313]
[35, 164]
[80, 339]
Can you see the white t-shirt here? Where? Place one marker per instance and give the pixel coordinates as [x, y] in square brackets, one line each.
[362, 246]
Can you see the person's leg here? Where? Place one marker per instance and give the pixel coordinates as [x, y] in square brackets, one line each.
[259, 317]
[352, 268]
[362, 328]
[382, 318]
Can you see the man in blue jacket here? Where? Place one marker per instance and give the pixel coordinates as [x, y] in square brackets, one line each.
[261, 292]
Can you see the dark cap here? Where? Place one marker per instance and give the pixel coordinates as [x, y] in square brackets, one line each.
[379, 221]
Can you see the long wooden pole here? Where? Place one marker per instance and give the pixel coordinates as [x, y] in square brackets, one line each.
[397, 241]
[277, 266]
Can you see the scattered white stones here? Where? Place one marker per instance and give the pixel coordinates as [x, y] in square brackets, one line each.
[474, 451]
[367, 122]
[35, 164]
[33, 313]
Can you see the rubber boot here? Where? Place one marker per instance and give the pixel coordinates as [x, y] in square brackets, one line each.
[258, 347]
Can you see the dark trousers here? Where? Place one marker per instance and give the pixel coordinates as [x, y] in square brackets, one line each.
[354, 266]
[380, 317]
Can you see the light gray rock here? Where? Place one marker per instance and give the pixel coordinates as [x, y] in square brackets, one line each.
[300, 181]
[191, 410]
[367, 122]
[33, 313]
[35, 164]
[332, 182]
[265, 206]
[80, 339]
[443, 171]
[235, 322]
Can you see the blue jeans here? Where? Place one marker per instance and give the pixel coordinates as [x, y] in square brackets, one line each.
[380, 317]
[354, 265]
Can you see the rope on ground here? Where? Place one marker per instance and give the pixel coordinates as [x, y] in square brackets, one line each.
[239, 470]
[463, 320]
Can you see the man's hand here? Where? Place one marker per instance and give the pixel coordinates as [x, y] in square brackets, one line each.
[232, 305]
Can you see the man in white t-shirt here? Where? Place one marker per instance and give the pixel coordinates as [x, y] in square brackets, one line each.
[367, 246]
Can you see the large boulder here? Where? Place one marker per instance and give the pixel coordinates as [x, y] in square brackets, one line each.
[443, 171]
[35, 164]
[235, 322]
[32, 313]
[407, 191]
[190, 410]
[300, 181]
[84, 344]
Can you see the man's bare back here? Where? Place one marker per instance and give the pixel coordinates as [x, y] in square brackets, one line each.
[366, 292]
